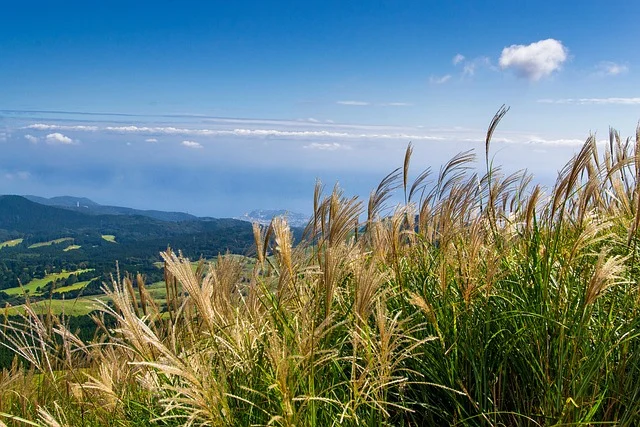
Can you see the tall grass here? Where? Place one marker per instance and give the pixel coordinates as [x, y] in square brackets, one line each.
[481, 300]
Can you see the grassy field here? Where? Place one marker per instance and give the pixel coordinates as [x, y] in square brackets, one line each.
[37, 283]
[480, 301]
[9, 243]
[71, 248]
[109, 238]
[50, 242]
[75, 286]
[74, 307]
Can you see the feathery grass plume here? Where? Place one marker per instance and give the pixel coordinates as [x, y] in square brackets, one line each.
[200, 292]
[129, 325]
[132, 294]
[258, 237]
[636, 160]
[405, 171]
[49, 420]
[284, 242]
[606, 274]
[343, 212]
[567, 182]
[381, 195]
[492, 127]
[419, 184]
[452, 173]
[30, 339]
[368, 280]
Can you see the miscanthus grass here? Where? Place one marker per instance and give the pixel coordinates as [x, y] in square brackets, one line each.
[481, 300]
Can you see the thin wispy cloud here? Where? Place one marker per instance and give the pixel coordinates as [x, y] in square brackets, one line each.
[57, 138]
[592, 101]
[354, 103]
[471, 66]
[396, 104]
[42, 126]
[438, 80]
[536, 60]
[191, 144]
[32, 139]
[151, 140]
[608, 68]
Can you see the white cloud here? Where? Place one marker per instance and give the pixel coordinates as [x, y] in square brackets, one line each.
[457, 59]
[536, 60]
[191, 144]
[439, 80]
[608, 68]
[357, 103]
[41, 126]
[151, 140]
[592, 101]
[333, 146]
[58, 138]
[32, 139]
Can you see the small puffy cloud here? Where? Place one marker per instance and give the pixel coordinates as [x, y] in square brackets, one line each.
[435, 80]
[151, 140]
[457, 59]
[608, 68]
[332, 146]
[58, 139]
[32, 139]
[191, 144]
[356, 103]
[536, 60]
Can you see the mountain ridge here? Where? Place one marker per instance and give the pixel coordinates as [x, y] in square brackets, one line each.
[85, 205]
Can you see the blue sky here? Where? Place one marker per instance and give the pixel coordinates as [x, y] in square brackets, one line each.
[219, 107]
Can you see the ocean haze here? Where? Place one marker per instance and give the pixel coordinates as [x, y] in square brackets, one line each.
[221, 170]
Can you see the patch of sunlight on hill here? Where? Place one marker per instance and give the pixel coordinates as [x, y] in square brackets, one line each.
[38, 283]
[50, 242]
[9, 243]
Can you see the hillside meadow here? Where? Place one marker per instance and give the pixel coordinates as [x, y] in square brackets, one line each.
[482, 300]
